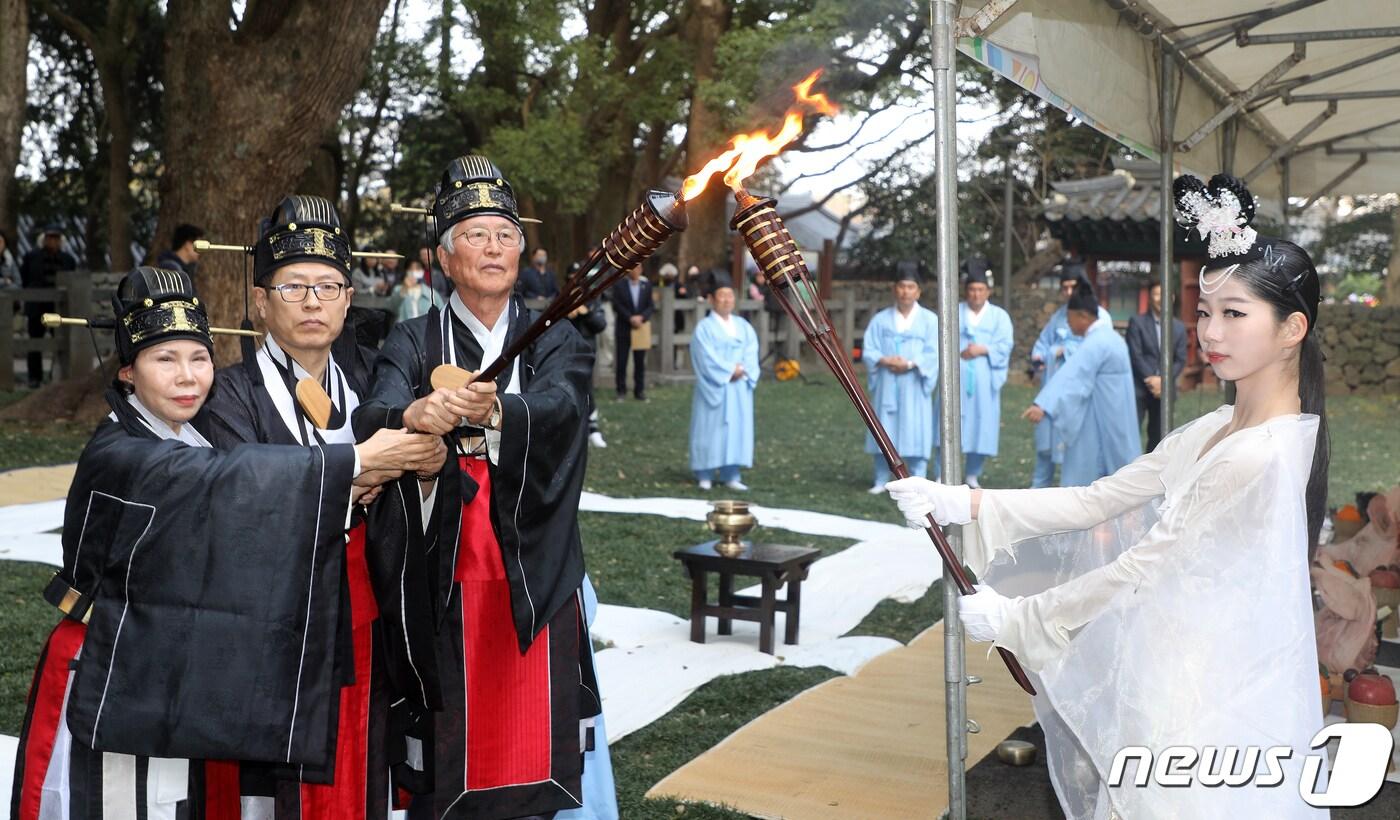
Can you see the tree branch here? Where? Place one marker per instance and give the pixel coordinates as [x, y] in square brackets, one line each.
[849, 155]
[876, 169]
[75, 27]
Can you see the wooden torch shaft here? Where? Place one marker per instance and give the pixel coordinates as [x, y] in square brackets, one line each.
[636, 238]
[786, 275]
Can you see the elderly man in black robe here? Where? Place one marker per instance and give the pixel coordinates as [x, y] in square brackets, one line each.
[518, 686]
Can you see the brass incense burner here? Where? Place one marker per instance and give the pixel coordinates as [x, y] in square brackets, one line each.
[730, 520]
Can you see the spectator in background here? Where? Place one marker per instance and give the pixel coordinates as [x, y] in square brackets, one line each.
[9, 267]
[985, 341]
[438, 281]
[590, 320]
[900, 353]
[724, 352]
[685, 289]
[40, 269]
[182, 256]
[411, 297]
[537, 281]
[388, 270]
[632, 305]
[368, 280]
[1145, 350]
[1090, 398]
[1055, 345]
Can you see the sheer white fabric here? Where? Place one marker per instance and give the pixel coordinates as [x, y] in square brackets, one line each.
[1166, 605]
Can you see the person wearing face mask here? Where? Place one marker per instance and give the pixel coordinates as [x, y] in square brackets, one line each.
[189, 627]
[1167, 604]
[301, 277]
[412, 297]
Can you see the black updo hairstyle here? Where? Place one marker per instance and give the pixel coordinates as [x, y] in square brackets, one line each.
[1282, 274]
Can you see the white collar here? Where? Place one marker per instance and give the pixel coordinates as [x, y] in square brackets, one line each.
[492, 340]
[269, 358]
[162, 429]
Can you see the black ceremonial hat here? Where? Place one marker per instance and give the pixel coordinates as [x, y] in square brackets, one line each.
[908, 270]
[975, 269]
[301, 229]
[154, 305]
[1071, 271]
[719, 279]
[1083, 298]
[473, 186]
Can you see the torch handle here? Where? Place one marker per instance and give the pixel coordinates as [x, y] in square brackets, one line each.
[846, 376]
[634, 239]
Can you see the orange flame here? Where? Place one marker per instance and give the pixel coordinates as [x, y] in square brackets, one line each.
[746, 151]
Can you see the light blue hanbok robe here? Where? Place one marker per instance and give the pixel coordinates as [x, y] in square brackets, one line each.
[1057, 335]
[599, 788]
[1092, 402]
[981, 379]
[721, 411]
[903, 401]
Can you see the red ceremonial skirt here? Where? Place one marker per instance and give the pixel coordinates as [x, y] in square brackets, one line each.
[507, 741]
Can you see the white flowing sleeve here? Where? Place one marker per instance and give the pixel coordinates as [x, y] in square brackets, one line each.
[1038, 627]
[1006, 517]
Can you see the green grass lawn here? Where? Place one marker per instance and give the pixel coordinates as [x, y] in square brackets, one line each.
[809, 455]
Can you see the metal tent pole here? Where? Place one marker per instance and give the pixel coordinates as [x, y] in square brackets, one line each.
[1167, 146]
[1007, 237]
[1284, 186]
[943, 16]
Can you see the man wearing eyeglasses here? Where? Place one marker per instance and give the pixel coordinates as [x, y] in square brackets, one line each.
[518, 690]
[302, 293]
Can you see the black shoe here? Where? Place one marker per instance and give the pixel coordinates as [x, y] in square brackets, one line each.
[622, 395]
[641, 397]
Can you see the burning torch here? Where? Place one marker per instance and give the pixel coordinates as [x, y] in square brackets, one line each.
[773, 249]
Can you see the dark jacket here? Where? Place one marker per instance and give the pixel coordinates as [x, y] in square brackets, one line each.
[533, 284]
[40, 269]
[171, 261]
[623, 306]
[1145, 349]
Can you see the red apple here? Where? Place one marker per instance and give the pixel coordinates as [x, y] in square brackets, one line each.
[1382, 578]
[1372, 688]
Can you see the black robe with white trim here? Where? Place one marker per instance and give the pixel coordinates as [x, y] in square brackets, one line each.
[208, 634]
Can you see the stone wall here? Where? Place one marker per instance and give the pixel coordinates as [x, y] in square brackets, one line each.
[1363, 349]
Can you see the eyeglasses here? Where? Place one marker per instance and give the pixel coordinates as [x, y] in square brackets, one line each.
[478, 237]
[295, 292]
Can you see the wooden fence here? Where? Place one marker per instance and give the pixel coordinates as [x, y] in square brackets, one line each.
[70, 349]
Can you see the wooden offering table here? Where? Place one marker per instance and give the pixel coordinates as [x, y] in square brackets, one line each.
[774, 565]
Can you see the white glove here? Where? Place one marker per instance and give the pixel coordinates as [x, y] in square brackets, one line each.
[983, 613]
[917, 497]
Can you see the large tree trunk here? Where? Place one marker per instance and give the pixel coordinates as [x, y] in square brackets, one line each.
[14, 58]
[1392, 271]
[119, 127]
[703, 242]
[244, 111]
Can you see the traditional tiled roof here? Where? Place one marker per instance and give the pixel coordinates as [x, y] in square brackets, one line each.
[1114, 216]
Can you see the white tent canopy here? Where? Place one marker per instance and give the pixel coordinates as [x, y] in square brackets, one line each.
[1098, 60]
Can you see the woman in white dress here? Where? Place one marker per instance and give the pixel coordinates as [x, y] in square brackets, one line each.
[1168, 604]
